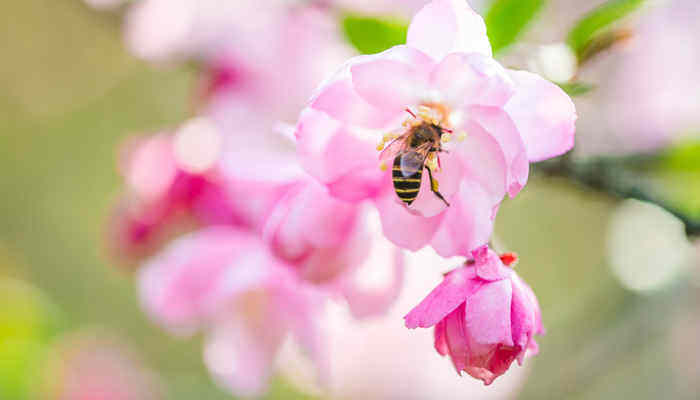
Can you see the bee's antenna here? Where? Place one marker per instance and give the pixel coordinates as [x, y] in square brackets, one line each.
[408, 110]
[447, 130]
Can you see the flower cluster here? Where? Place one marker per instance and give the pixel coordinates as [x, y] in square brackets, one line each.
[276, 218]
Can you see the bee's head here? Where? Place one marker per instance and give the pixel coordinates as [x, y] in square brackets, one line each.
[425, 132]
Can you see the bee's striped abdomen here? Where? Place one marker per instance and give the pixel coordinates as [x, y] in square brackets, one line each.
[407, 179]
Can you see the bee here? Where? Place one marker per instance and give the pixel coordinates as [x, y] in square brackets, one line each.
[410, 151]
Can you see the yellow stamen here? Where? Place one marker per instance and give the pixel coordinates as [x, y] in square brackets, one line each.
[382, 166]
[445, 137]
[461, 136]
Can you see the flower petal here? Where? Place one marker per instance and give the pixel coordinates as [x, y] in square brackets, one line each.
[457, 339]
[340, 100]
[447, 26]
[488, 314]
[336, 157]
[240, 358]
[466, 79]
[483, 160]
[403, 228]
[300, 308]
[440, 339]
[190, 279]
[337, 96]
[522, 319]
[447, 177]
[373, 288]
[499, 125]
[544, 115]
[488, 265]
[388, 84]
[445, 298]
[467, 223]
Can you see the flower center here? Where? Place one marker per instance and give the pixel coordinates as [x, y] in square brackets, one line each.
[428, 117]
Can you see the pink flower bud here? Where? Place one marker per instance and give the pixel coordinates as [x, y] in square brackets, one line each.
[484, 315]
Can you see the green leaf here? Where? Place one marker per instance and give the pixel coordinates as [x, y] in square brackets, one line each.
[507, 19]
[683, 157]
[576, 88]
[595, 22]
[372, 35]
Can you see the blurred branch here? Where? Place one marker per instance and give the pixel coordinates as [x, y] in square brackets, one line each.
[619, 177]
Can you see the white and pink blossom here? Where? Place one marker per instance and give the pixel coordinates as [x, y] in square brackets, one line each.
[493, 122]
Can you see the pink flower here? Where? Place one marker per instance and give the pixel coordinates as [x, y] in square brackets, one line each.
[484, 315]
[331, 243]
[489, 121]
[225, 281]
[173, 185]
[90, 365]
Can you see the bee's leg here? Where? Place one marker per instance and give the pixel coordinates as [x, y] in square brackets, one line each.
[439, 150]
[434, 186]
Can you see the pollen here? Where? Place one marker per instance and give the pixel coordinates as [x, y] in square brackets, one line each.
[382, 166]
[445, 137]
[461, 136]
[380, 146]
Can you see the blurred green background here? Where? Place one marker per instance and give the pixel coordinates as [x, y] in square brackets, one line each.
[70, 93]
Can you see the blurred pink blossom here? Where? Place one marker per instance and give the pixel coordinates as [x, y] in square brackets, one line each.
[90, 365]
[484, 315]
[161, 193]
[492, 122]
[224, 280]
[235, 285]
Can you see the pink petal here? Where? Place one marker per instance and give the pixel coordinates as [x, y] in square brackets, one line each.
[544, 115]
[448, 26]
[336, 157]
[308, 218]
[488, 265]
[396, 219]
[464, 79]
[300, 307]
[467, 224]
[488, 314]
[448, 178]
[456, 338]
[240, 358]
[340, 100]
[337, 96]
[522, 319]
[440, 339]
[192, 278]
[527, 290]
[445, 298]
[493, 363]
[483, 160]
[499, 125]
[367, 293]
[388, 84]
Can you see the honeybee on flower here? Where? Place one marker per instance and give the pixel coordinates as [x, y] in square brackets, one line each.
[491, 121]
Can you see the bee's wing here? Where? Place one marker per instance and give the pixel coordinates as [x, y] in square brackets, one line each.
[412, 160]
[396, 147]
[424, 149]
